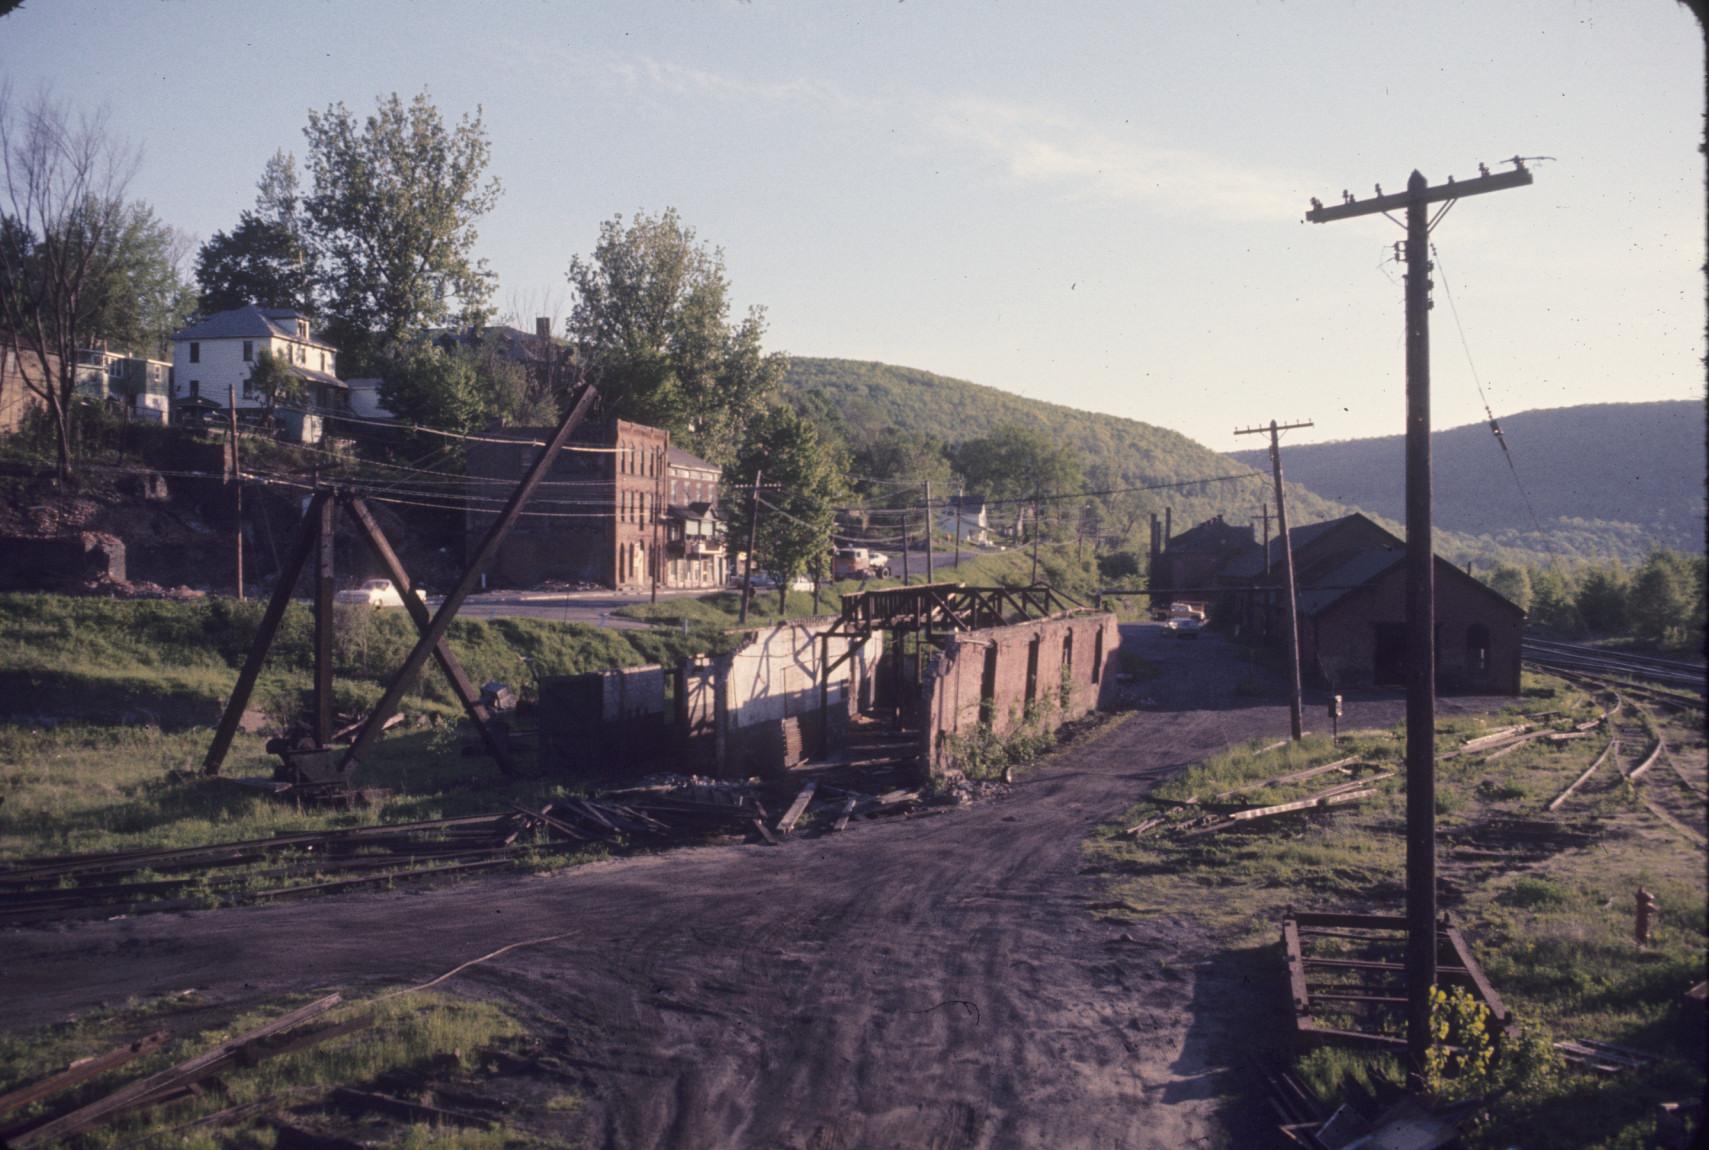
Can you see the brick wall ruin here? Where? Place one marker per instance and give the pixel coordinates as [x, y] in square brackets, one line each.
[1056, 670]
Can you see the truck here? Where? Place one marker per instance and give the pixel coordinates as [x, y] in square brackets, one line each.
[859, 563]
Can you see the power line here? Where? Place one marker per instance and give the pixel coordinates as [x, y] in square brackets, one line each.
[1494, 425]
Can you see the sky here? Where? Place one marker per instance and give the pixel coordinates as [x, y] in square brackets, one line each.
[1097, 204]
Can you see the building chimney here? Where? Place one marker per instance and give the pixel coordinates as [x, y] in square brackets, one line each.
[543, 326]
[1168, 525]
[1156, 539]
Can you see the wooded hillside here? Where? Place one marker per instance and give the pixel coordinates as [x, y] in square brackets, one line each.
[1607, 481]
[859, 402]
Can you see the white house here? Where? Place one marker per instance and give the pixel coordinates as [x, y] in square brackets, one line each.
[974, 523]
[212, 357]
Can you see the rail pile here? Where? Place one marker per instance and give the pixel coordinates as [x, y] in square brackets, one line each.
[182, 878]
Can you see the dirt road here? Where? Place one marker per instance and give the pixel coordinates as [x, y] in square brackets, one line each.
[933, 982]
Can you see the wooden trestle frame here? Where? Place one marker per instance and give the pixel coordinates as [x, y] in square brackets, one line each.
[315, 533]
[930, 609]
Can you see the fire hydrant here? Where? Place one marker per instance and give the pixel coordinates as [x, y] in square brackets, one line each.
[1646, 909]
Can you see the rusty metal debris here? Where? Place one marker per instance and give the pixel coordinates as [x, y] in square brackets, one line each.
[176, 1081]
[63, 887]
[80, 1072]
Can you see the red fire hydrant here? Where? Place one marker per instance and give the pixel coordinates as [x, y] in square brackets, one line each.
[1646, 909]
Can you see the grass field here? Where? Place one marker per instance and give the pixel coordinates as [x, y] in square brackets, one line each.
[107, 702]
[1554, 933]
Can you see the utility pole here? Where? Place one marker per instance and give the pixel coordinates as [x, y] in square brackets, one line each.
[753, 530]
[960, 510]
[1034, 579]
[928, 531]
[1420, 577]
[237, 483]
[906, 578]
[659, 464]
[1289, 591]
[1265, 508]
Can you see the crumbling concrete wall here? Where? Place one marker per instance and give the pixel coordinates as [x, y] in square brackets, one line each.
[769, 712]
[60, 563]
[1053, 671]
[603, 723]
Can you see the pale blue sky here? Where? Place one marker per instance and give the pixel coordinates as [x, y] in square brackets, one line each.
[1093, 203]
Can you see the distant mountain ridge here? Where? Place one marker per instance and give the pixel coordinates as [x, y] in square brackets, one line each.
[1607, 480]
[857, 401]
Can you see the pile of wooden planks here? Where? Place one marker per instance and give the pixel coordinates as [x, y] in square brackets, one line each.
[1216, 814]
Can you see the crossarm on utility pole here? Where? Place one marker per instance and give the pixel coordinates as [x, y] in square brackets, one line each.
[1325, 214]
[388, 704]
[442, 654]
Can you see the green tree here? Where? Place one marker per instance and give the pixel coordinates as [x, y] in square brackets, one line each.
[1512, 583]
[1663, 606]
[652, 318]
[511, 395]
[62, 200]
[421, 383]
[391, 222]
[1554, 602]
[1016, 462]
[273, 380]
[797, 515]
[1602, 600]
[138, 296]
[265, 259]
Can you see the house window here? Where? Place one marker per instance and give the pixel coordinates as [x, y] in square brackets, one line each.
[195, 385]
[195, 352]
[323, 361]
[248, 351]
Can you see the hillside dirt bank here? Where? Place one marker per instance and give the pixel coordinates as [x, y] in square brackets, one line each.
[936, 982]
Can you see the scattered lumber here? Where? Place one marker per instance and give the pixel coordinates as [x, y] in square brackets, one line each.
[843, 815]
[80, 1072]
[149, 1090]
[1341, 765]
[1603, 1057]
[786, 824]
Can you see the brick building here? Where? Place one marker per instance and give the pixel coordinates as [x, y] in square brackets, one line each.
[1189, 561]
[1351, 579]
[600, 515]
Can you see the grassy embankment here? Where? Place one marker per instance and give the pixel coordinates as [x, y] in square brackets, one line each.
[432, 1047]
[104, 699]
[1553, 933]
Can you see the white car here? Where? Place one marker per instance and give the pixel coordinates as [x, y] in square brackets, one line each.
[373, 593]
[1185, 626]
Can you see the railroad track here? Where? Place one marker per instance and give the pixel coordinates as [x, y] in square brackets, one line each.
[59, 887]
[1647, 670]
[1637, 753]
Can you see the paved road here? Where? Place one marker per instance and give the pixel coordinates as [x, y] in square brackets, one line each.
[932, 982]
[593, 607]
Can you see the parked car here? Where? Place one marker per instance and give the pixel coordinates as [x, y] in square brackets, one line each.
[1185, 626]
[374, 593]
